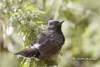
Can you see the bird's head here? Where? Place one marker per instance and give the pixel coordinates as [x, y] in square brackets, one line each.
[54, 25]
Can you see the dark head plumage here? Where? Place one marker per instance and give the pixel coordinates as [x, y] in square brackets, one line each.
[54, 25]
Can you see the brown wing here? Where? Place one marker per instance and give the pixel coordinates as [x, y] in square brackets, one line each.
[39, 39]
[51, 45]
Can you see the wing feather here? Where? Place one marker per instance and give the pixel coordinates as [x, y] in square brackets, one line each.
[51, 45]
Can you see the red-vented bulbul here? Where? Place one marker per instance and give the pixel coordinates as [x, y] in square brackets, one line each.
[47, 44]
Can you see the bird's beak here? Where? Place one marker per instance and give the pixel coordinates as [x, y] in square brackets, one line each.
[62, 21]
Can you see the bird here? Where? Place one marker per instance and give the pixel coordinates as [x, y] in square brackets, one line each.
[46, 45]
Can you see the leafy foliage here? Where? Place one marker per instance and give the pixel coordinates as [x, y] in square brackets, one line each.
[25, 20]
[27, 23]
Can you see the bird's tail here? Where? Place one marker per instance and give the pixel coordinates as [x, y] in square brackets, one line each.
[28, 53]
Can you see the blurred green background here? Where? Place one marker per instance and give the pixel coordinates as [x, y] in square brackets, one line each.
[22, 20]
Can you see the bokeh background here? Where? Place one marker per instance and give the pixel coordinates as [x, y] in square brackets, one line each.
[22, 20]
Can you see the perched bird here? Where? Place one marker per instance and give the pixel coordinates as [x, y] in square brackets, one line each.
[47, 45]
